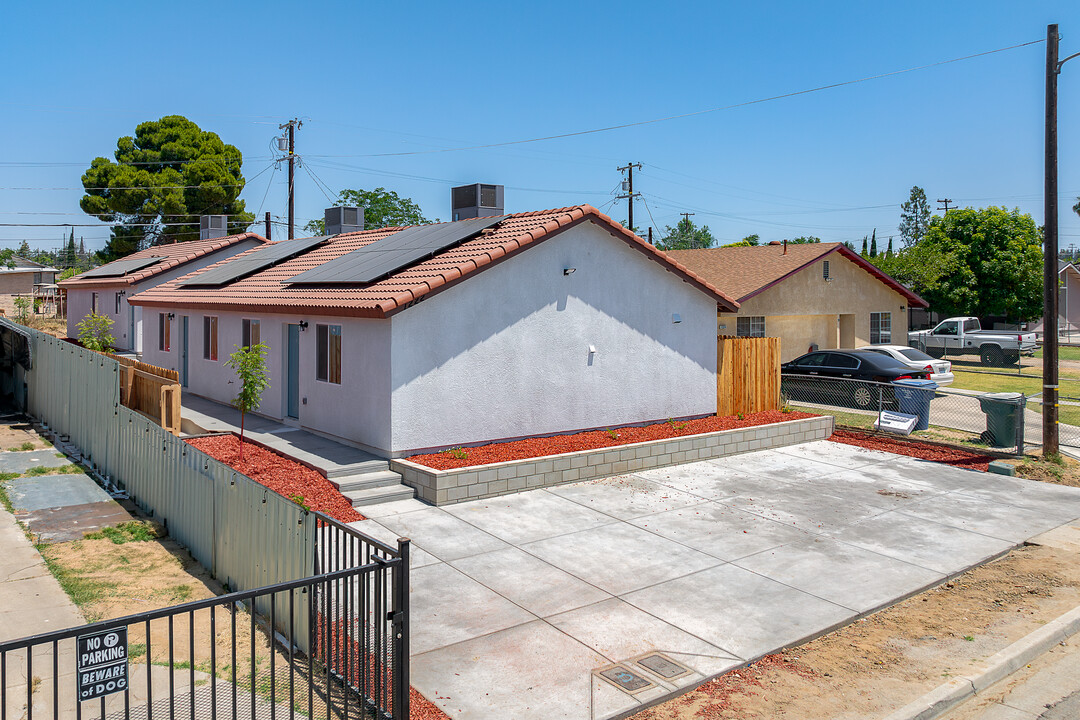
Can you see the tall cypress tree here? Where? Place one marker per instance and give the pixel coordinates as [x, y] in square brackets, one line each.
[863, 253]
[873, 244]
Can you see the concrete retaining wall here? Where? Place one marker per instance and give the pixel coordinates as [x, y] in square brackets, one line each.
[445, 487]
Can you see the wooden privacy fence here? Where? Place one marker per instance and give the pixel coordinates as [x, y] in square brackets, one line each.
[747, 375]
[151, 391]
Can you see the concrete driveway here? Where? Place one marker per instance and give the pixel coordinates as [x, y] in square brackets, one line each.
[521, 605]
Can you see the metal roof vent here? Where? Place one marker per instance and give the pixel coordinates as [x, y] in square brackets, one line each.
[213, 226]
[343, 220]
[476, 200]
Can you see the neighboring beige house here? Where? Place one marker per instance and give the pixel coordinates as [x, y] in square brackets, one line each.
[811, 296]
[24, 275]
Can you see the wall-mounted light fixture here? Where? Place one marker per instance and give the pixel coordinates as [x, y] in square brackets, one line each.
[172, 315]
[568, 271]
[303, 325]
[903, 309]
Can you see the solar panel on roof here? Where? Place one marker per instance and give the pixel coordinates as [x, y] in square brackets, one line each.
[252, 262]
[402, 249]
[119, 268]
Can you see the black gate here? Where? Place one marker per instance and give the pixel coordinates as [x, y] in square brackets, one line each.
[333, 645]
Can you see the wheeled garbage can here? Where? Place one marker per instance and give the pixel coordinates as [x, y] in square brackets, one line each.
[913, 397]
[1003, 412]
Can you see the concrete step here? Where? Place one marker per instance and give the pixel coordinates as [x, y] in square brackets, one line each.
[360, 481]
[377, 495]
[366, 466]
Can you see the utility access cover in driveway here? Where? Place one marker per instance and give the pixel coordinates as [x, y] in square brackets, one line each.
[518, 600]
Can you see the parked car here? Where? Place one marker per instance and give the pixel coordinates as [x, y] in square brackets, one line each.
[940, 370]
[846, 377]
[965, 336]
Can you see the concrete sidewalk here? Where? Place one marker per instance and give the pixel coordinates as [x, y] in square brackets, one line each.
[556, 602]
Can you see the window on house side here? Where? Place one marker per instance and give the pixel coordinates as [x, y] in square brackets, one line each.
[209, 334]
[117, 312]
[163, 332]
[880, 328]
[250, 333]
[328, 353]
[751, 326]
[825, 269]
[93, 302]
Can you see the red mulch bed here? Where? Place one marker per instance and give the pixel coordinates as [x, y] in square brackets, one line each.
[282, 475]
[558, 444]
[912, 448]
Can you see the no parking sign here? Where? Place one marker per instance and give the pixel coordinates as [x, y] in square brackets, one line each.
[102, 663]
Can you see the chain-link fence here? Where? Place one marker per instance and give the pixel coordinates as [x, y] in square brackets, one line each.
[982, 420]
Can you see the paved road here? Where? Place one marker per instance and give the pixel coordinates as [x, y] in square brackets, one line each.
[1048, 689]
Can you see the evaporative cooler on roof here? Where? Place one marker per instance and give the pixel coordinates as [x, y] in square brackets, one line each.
[119, 268]
[252, 262]
[402, 249]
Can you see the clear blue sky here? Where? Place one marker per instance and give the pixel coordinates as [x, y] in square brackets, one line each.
[374, 78]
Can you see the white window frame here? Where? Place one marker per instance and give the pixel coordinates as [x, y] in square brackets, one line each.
[750, 326]
[883, 334]
[323, 351]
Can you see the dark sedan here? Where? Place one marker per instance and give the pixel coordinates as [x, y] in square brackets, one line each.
[848, 376]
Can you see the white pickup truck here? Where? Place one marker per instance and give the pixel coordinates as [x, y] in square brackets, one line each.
[964, 336]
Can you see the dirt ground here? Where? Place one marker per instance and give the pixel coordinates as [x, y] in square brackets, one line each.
[20, 436]
[884, 661]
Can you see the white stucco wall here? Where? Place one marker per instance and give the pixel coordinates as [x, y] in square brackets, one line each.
[79, 299]
[357, 410]
[506, 353]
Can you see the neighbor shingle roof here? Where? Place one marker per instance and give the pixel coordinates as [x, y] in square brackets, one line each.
[174, 256]
[743, 272]
[268, 290]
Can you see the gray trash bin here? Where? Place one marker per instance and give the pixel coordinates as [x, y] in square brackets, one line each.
[913, 397]
[1003, 412]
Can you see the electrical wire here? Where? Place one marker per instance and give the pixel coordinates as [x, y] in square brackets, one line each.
[746, 103]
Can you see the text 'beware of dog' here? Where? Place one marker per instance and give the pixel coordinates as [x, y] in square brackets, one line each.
[102, 666]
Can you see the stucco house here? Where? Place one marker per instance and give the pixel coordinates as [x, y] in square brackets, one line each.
[518, 325]
[24, 274]
[108, 288]
[811, 296]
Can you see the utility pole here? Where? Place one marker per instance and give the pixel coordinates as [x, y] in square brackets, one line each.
[629, 187]
[291, 126]
[267, 225]
[1050, 248]
[946, 202]
[686, 216]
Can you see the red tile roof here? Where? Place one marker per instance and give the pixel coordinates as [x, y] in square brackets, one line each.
[268, 290]
[744, 272]
[174, 256]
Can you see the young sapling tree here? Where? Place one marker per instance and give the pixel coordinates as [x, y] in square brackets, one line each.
[95, 332]
[250, 366]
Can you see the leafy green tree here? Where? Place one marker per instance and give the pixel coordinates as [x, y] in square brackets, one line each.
[382, 208]
[914, 217]
[162, 180]
[975, 262]
[748, 241]
[250, 366]
[95, 332]
[686, 236]
[22, 308]
[806, 240]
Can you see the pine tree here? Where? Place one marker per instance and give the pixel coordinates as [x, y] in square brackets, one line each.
[863, 253]
[873, 244]
[68, 258]
[888, 251]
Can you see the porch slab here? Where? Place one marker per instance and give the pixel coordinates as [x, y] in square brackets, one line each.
[713, 564]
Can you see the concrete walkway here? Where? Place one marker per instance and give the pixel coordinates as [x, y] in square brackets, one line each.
[523, 606]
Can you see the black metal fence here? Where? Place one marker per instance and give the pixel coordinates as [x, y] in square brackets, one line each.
[334, 645]
[965, 417]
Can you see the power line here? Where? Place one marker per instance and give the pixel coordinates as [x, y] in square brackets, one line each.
[771, 98]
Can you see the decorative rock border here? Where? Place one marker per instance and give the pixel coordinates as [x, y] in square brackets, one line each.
[445, 487]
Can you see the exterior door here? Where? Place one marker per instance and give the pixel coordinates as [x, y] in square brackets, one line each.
[184, 351]
[292, 363]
